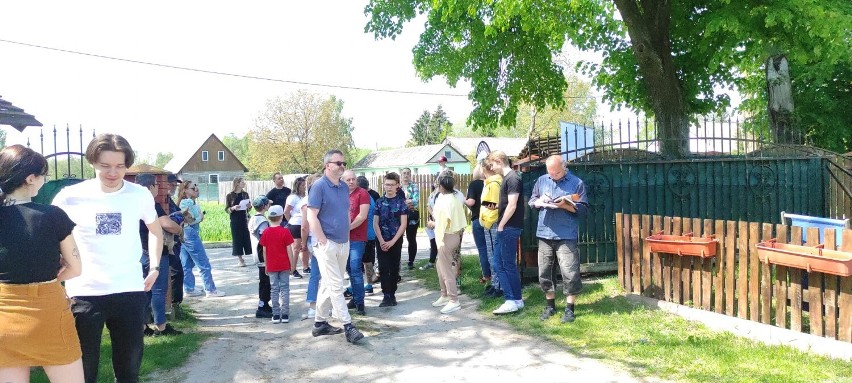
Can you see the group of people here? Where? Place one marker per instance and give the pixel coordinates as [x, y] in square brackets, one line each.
[332, 221]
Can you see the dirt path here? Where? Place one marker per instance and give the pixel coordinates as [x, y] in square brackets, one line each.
[408, 343]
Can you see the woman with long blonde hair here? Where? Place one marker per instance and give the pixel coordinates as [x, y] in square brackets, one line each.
[192, 253]
[237, 204]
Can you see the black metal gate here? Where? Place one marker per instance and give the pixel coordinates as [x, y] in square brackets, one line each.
[67, 167]
[754, 186]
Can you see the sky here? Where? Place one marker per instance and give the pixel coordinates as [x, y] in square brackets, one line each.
[160, 109]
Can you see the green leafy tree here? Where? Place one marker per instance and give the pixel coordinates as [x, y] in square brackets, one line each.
[663, 58]
[237, 145]
[162, 158]
[420, 130]
[293, 133]
[2, 138]
[439, 126]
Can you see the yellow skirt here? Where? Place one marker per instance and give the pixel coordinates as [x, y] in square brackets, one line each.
[36, 326]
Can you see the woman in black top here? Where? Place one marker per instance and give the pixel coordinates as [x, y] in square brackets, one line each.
[37, 252]
[237, 203]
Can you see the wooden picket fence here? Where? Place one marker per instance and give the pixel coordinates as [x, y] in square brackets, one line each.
[735, 282]
[424, 183]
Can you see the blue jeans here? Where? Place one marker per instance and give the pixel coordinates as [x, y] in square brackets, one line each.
[479, 239]
[157, 295]
[506, 254]
[279, 282]
[192, 254]
[356, 270]
[490, 240]
[313, 279]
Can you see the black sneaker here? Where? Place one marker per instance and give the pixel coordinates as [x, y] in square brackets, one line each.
[410, 266]
[353, 335]
[347, 293]
[393, 301]
[296, 274]
[386, 302]
[306, 270]
[359, 309]
[149, 331]
[285, 318]
[568, 316]
[168, 331]
[548, 312]
[276, 318]
[325, 329]
[262, 313]
[351, 304]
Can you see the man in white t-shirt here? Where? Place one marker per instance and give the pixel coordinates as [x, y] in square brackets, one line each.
[111, 290]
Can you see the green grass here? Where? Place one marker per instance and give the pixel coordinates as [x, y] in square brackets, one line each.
[161, 353]
[216, 226]
[651, 342]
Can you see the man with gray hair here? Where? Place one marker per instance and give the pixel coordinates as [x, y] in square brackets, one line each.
[328, 219]
[561, 200]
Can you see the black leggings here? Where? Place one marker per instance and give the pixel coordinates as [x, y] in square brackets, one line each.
[264, 292]
[433, 251]
[411, 237]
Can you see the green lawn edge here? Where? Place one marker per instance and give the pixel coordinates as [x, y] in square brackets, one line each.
[645, 342]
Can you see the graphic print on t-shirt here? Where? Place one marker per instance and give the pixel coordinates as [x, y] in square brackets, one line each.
[108, 223]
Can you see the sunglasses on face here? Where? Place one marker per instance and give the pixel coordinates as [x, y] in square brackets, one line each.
[194, 188]
[338, 163]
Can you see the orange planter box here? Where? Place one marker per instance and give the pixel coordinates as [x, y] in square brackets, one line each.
[704, 247]
[810, 258]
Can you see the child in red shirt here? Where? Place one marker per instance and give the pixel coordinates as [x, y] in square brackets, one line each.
[277, 247]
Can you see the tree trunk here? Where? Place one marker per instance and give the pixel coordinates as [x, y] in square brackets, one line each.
[780, 96]
[648, 25]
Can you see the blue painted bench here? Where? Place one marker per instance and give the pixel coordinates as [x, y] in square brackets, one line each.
[806, 221]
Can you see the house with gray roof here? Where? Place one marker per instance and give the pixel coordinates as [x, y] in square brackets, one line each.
[420, 159]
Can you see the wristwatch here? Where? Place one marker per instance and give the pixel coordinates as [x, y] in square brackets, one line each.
[156, 268]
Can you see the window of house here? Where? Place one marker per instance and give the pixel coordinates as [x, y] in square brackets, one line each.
[213, 178]
[221, 155]
[448, 154]
[205, 156]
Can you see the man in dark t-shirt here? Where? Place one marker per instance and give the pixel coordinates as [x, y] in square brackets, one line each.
[157, 294]
[278, 195]
[509, 224]
[473, 201]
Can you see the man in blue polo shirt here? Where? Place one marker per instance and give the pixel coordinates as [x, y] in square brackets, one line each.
[558, 222]
[328, 219]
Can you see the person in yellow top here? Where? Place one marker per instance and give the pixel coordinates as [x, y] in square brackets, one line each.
[488, 215]
[450, 221]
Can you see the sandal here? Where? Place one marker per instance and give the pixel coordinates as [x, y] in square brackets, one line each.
[483, 280]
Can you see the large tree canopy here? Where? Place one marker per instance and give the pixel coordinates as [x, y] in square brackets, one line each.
[668, 59]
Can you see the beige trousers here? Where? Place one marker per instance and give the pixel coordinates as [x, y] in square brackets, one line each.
[448, 264]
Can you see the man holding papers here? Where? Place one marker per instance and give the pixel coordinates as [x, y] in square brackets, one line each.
[561, 200]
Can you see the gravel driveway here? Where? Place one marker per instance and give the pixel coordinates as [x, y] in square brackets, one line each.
[411, 342]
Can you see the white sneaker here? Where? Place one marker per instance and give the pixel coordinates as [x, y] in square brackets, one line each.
[193, 293]
[311, 313]
[519, 303]
[451, 307]
[506, 308]
[441, 301]
[215, 294]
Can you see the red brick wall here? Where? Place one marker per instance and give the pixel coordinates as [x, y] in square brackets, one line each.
[162, 189]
